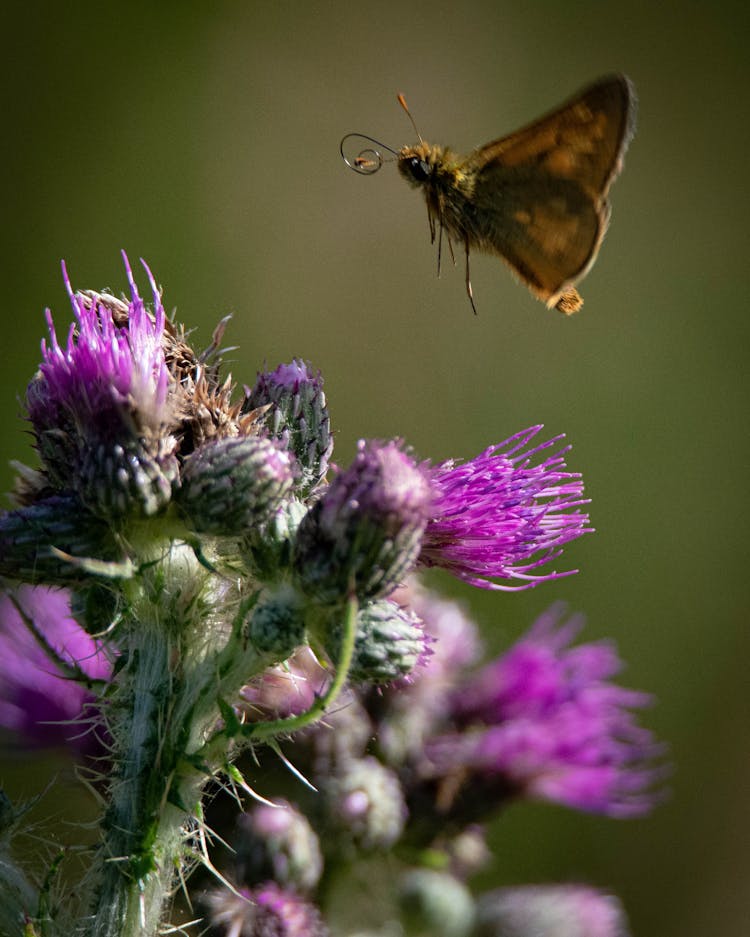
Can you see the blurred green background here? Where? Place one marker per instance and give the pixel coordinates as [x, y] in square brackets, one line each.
[205, 138]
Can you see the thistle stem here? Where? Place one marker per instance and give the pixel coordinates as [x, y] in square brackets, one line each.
[264, 730]
[142, 831]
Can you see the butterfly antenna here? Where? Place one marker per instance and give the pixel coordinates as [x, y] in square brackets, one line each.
[402, 102]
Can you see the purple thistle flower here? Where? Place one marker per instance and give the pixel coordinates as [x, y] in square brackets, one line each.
[100, 405]
[37, 702]
[277, 842]
[105, 368]
[544, 720]
[551, 911]
[265, 911]
[284, 690]
[499, 516]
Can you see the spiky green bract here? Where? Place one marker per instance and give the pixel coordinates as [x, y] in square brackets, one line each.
[230, 486]
[390, 642]
[296, 415]
[365, 532]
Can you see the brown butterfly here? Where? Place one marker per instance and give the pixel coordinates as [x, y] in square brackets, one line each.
[536, 198]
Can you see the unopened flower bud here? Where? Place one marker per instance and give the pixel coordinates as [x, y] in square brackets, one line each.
[230, 486]
[390, 642]
[277, 842]
[365, 532]
[365, 799]
[277, 626]
[266, 911]
[95, 606]
[297, 416]
[270, 546]
[435, 903]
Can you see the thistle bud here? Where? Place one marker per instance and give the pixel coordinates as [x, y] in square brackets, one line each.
[230, 486]
[297, 416]
[277, 842]
[390, 642]
[270, 546]
[266, 911]
[365, 799]
[365, 532]
[277, 626]
[436, 903]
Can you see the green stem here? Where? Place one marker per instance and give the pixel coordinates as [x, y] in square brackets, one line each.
[275, 727]
[142, 831]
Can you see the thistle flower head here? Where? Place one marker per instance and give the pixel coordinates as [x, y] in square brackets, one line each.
[389, 645]
[276, 841]
[544, 720]
[266, 911]
[365, 800]
[297, 415]
[233, 485]
[550, 911]
[365, 531]
[500, 516]
[100, 407]
[284, 690]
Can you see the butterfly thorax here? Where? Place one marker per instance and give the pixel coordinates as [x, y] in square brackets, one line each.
[445, 182]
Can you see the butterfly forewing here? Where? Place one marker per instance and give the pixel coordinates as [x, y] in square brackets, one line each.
[584, 139]
[540, 193]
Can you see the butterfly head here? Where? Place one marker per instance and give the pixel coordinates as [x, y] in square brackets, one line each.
[419, 164]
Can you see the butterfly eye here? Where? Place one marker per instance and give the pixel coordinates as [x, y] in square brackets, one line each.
[419, 169]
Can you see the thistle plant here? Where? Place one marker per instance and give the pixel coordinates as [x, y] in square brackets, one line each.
[198, 589]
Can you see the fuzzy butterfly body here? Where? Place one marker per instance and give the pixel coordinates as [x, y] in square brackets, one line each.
[536, 198]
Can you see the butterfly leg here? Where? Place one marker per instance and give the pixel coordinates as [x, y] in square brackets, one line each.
[469, 291]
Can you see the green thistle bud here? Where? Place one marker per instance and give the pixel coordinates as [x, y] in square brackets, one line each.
[390, 642]
[95, 606]
[297, 416]
[367, 802]
[277, 625]
[436, 904]
[270, 546]
[278, 843]
[230, 486]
